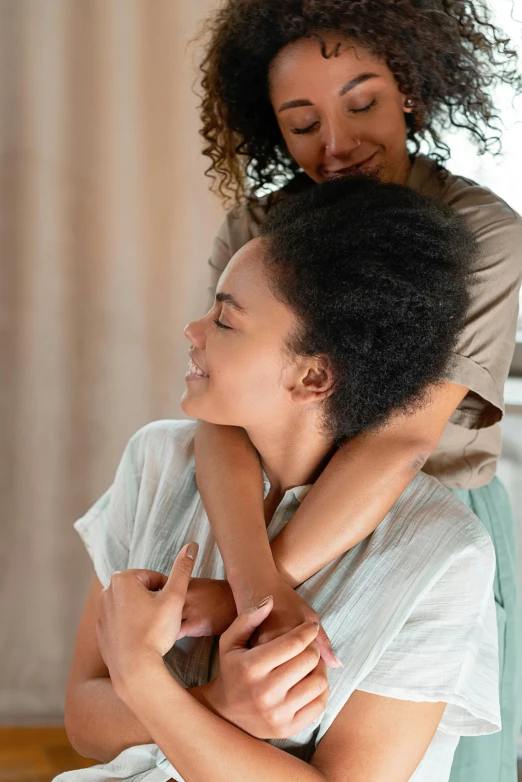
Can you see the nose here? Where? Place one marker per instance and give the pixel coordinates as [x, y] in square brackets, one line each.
[339, 138]
[195, 332]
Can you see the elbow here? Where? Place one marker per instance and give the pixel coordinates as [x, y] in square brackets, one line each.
[79, 739]
[74, 735]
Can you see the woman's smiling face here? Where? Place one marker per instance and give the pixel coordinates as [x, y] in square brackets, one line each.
[339, 115]
[241, 372]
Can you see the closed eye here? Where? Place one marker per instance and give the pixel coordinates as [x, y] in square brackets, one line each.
[308, 128]
[221, 325]
[364, 108]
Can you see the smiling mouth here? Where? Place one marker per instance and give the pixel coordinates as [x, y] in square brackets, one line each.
[194, 370]
[351, 170]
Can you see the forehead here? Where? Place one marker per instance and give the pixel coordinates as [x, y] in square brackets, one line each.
[248, 280]
[246, 270]
[299, 59]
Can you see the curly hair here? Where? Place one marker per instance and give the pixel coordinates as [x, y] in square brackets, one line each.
[444, 54]
[382, 295]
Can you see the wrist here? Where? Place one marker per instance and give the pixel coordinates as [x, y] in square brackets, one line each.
[211, 695]
[254, 587]
[133, 679]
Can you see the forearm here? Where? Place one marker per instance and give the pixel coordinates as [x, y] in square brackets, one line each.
[230, 482]
[99, 725]
[202, 746]
[349, 500]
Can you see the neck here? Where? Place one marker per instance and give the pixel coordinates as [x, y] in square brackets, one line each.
[293, 453]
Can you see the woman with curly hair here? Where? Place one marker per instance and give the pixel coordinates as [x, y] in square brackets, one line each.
[296, 92]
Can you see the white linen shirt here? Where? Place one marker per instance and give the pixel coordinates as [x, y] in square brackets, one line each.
[409, 610]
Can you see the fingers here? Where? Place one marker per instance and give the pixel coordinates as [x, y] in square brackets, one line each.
[238, 634]
[151, 579]
[309, 713]
[284, 648]
[309, 688]
[327, 653]
[290, 673]
[179, 578]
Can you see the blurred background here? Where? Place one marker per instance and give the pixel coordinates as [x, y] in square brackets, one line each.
[106, 224]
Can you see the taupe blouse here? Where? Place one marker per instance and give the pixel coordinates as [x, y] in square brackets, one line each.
[466, 455]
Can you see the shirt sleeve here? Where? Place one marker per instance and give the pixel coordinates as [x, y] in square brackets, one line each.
[107, 527]
[240, 225]
[219, 258]
[448, 650]
[485, 348]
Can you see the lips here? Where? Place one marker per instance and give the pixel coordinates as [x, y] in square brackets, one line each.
[193, 369]
[350, 170]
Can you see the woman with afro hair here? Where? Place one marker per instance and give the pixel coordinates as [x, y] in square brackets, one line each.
[296, 92]
[293, 356]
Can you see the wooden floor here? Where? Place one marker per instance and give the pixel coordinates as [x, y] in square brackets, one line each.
[36, 754]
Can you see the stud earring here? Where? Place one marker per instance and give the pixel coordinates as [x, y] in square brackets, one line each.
[409, 103]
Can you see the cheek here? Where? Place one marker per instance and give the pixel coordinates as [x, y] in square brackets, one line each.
[244, 385]
[303, 149]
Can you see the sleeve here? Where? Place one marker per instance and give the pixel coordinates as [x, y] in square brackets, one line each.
[484, 352]
[448, 649]
[107, 527]
[219, 258]
[240, 225]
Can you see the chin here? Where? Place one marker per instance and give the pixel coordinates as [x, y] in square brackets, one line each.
[195, 408]
[189, 405]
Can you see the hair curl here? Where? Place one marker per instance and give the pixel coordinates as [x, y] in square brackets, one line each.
[445, 54]
[378, 277]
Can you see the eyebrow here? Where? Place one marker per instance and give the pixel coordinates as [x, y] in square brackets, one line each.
[350, 85]
[227, 298]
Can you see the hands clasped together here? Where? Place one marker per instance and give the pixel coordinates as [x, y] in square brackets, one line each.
[273, 676]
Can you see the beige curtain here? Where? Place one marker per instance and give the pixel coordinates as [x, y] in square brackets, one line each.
[105, 227]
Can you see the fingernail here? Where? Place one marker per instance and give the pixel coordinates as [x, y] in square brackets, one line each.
[264, 601]
[192, 550]
[337, 660]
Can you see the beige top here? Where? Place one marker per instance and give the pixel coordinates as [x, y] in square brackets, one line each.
[466, 455]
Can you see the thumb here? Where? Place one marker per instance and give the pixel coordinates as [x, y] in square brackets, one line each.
[179, 578]
[327, 653]
[240, 631]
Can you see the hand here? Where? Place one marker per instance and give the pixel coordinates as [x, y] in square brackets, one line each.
[140, 614]
[274, 690]
[209, 608]
[289, 611]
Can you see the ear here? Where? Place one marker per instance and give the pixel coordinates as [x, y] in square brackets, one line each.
[314, 380]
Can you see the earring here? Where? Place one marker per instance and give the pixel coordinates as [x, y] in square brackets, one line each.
[409, 103]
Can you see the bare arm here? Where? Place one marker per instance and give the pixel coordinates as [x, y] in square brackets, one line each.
[98, 724]
[360, 485]
[374, 739]
[352, 496]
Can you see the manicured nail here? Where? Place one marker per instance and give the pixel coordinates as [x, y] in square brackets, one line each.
[337, 660]
[192, 550]
[264, 601]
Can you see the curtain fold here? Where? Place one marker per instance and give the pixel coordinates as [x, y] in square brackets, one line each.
[106, 223]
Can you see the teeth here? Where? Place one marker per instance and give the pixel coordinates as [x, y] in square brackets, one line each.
[194, 370]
